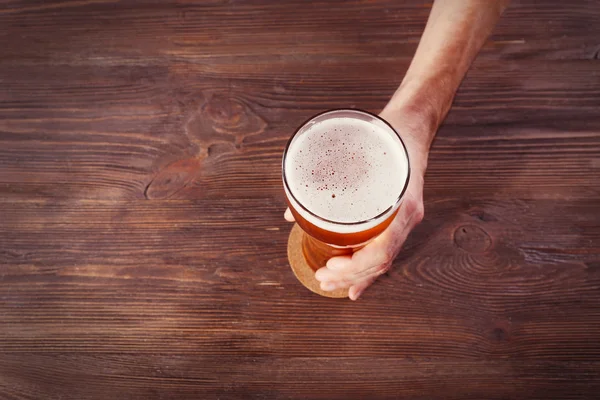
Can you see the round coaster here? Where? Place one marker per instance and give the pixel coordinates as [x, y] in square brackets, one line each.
[302, 270]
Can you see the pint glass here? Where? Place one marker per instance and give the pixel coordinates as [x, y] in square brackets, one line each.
[344, 174]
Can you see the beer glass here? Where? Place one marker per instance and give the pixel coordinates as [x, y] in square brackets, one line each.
[345, 172]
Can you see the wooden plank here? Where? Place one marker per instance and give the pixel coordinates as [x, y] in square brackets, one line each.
[142, 245]
[84, 147]
[109, 102]
[97, 32]
[164, 375]
[475, 280]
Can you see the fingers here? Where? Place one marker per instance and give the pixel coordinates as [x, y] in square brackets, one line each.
[361, 269]
[330, 286]
[366, 261]
[357, 290]
[361, 264]
[288, 215]
[325, 275]
[339, 263]
[347, 271]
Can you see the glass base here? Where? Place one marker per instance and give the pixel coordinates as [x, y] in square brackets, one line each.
[303, 271]
[317, 253]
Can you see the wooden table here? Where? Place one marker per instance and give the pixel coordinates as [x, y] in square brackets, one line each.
[142, 240]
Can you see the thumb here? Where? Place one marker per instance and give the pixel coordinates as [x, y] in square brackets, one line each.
[356, 290]
[288, 215]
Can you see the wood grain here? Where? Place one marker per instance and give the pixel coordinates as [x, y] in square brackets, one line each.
[72, 154]
[104, 274]
[198, 376]
[142, 244]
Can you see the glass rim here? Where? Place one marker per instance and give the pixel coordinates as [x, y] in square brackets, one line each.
[351, 110]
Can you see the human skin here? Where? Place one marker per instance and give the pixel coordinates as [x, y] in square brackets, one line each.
[455, 32]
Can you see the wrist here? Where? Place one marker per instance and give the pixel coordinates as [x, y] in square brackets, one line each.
[422, 102]
[428, 97]
[413, 114]
[410, 127]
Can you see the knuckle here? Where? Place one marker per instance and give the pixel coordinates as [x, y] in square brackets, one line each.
[388, 257]
[382, 269]
[414, 208]
[410, 206]
[372, 272]
[419, 213]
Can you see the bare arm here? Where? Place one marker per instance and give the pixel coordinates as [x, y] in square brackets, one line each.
[455, 32]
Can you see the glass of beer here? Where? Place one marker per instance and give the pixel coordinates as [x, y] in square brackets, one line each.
[344, 174]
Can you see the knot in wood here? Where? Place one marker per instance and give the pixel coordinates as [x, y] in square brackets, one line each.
[229, 115]
[172, 178]
[472, 239]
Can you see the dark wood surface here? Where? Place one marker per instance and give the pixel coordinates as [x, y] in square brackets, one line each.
[142, 240]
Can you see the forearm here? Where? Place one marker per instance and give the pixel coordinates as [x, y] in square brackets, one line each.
[455, 32]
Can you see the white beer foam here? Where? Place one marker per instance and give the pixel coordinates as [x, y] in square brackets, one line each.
[346, 170]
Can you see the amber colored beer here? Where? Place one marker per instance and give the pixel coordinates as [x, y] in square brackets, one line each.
[344, 173]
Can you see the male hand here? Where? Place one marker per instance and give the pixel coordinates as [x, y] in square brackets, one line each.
[359, 271]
